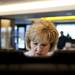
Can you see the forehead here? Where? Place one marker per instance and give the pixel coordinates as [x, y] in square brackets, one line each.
[40, 39]
[39, 34]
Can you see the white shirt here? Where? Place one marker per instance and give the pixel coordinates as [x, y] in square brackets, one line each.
[31, 54]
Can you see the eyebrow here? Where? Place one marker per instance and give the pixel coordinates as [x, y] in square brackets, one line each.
[40, 43]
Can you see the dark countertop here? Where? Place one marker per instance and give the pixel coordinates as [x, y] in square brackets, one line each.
[17, 61]
[61, 57]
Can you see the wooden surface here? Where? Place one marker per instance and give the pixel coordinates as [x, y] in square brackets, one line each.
[61, 61]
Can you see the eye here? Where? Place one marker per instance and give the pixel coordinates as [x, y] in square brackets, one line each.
[35, 43]
[43, 45]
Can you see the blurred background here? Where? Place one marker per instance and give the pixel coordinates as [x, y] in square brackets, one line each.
[16, 17]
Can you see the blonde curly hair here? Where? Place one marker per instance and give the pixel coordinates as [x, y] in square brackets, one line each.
[42, 30]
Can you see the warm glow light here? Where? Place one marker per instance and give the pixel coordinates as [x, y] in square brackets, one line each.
[58, 18]
[38, 6]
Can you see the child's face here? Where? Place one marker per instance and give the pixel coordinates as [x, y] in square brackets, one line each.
[40, 49]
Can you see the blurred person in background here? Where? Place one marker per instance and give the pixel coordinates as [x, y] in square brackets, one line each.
[61, 41]
[68, 43]
[69, 39]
